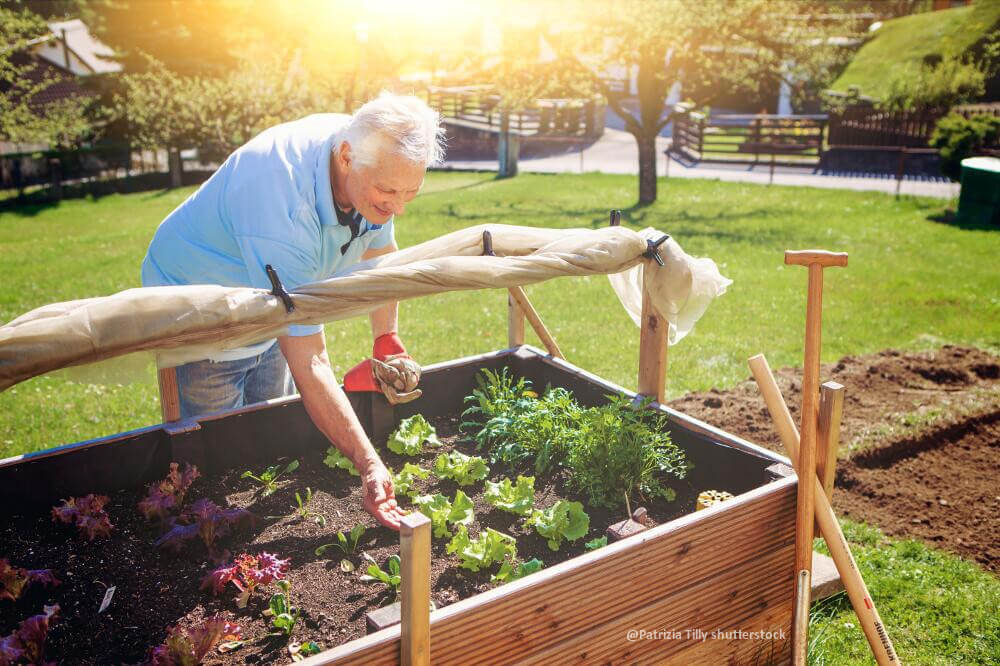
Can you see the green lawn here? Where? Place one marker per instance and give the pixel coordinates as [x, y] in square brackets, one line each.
[901, 44]
[912, 283]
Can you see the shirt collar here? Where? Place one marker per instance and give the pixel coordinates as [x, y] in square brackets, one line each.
[324, 193]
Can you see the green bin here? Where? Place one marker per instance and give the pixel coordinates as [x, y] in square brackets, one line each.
[979, 201]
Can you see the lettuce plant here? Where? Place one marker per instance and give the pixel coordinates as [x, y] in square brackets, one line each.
[26, 644]
[188, 647]
[166, 497]
[347, 543]
[403, 482]
[283, 614]
[87, 513]
[488, 548]
[509, 571]
[268, 479]
[441, 511]
[247, 573]
[518, 499]
[337, 460]
[462, 469]
[14, 580]
[563, 521]
[305, 512]
[391, 578]
[599, 542]
[410, 436]
[203, 519]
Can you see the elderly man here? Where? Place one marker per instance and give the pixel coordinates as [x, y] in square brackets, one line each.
[310, 198]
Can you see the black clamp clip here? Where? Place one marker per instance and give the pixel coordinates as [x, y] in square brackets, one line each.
[616, 218]
[278, 290]
[652, 249]
[488, 245]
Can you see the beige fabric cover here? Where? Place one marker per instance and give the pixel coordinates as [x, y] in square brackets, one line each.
[183, 324]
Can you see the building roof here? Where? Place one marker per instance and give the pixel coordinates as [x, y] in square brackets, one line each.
[83, 46]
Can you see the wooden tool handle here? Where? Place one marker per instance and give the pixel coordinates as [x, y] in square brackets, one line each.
[815, 257]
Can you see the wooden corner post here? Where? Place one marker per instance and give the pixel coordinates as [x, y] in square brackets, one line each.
[170, 399]
[831, 409]
[652, 347]
[515, 322]
[415, 591]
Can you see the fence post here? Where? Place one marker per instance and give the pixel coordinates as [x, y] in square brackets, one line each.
[415, 590]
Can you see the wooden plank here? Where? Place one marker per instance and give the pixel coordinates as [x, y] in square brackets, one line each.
[415, 591]
[652, 348]
[515, 322]
[831, 409]
[170, 399]
[521, 298]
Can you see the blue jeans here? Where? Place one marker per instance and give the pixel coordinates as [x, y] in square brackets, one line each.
[207, 386]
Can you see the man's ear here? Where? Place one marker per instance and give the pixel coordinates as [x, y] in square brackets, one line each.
[345, 156]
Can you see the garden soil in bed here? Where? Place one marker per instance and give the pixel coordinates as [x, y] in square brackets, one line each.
[157, 589]
[925, 431]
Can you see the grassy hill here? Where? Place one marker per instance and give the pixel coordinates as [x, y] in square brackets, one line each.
[902, 44]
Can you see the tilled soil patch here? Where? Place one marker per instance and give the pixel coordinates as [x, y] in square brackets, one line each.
[937, 483]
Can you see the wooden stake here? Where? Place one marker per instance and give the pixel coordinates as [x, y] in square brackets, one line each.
[415, 591]
[521, 298]
[831, 409]
[857, 591]
[652, 348]
[515, 322]
[170, 399]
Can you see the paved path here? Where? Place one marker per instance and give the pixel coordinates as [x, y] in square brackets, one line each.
[616, 152]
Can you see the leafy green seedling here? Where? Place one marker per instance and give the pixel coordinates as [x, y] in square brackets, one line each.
[283, 614]
[462, 469]
[409, 437]
[391, 579]
[268, 479]
[347, 543]
[441, 511]
[518, 499]
[599, 542]
[489, 547]
[403, 482]
[508, 571]
[563, 521]
[337, 460]
[305, 512]
[300, 651]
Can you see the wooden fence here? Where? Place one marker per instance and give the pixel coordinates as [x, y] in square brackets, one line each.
[741, 139]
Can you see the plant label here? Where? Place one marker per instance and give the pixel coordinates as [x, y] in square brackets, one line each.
[108, 594]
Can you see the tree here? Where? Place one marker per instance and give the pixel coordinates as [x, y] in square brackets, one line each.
[708, 46]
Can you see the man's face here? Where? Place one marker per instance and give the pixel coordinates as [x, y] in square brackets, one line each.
[383, 190]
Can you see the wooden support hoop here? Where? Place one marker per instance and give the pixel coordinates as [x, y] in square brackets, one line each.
[831, 409]
[170, 399]
[415, 590]
[521, 298]
[652, 348]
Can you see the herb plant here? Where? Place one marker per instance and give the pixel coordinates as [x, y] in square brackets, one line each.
[167, 496]
[599, 542]
[441, 511]
[185, 647]
[268, 479]
[391, 578]
[403, 482]
[87, 513]
[509, 571]
[247, 573]
[337, 460]
[517, 499]
[203, 519]
[563, 521]
[347, 543]
[305, 512]
[460, 468]
[488, 548]
[26, 644]
[283, 614]
[15, 580]
[410, 436]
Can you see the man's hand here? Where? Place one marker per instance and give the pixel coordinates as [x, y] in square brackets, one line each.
[380, 497]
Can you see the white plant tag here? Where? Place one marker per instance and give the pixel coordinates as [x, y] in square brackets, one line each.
[108, 594]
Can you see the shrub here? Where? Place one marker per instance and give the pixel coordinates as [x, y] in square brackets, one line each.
[957, 138]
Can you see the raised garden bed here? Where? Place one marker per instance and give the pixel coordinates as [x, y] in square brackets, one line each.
[724, 569]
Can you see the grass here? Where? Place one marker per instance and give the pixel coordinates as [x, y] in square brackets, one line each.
[901, 44]
[937, 608]
[913, 283]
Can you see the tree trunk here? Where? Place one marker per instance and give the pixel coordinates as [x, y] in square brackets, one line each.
[176, 167]
[647, 168]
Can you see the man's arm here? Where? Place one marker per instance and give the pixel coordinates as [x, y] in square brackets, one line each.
[330, 410]
[385, 319]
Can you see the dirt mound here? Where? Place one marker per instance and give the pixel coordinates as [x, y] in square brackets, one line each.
[925, 427]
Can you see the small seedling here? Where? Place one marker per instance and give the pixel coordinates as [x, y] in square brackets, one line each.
[300, 651]
[247, 573]
[14, 580]
[87, 513]
[391, 579]
[347, 543]
[203, 519]
[167, 496]
[268, 479]
[509, 572]
[599, 542]
[410, 436]
[27, 642]
[305, 512]
[192, 645]
[337, 460]
[283, 614]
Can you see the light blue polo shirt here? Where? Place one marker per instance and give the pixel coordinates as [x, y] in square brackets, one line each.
[269, 203]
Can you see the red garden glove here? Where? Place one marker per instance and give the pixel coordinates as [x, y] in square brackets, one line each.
[392, 372]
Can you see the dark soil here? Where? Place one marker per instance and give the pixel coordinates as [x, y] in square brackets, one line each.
[938, 482]
[156, 589]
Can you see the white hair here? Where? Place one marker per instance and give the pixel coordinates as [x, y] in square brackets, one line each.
[403, 124]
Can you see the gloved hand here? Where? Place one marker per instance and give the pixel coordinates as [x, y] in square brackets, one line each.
[391, 371]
